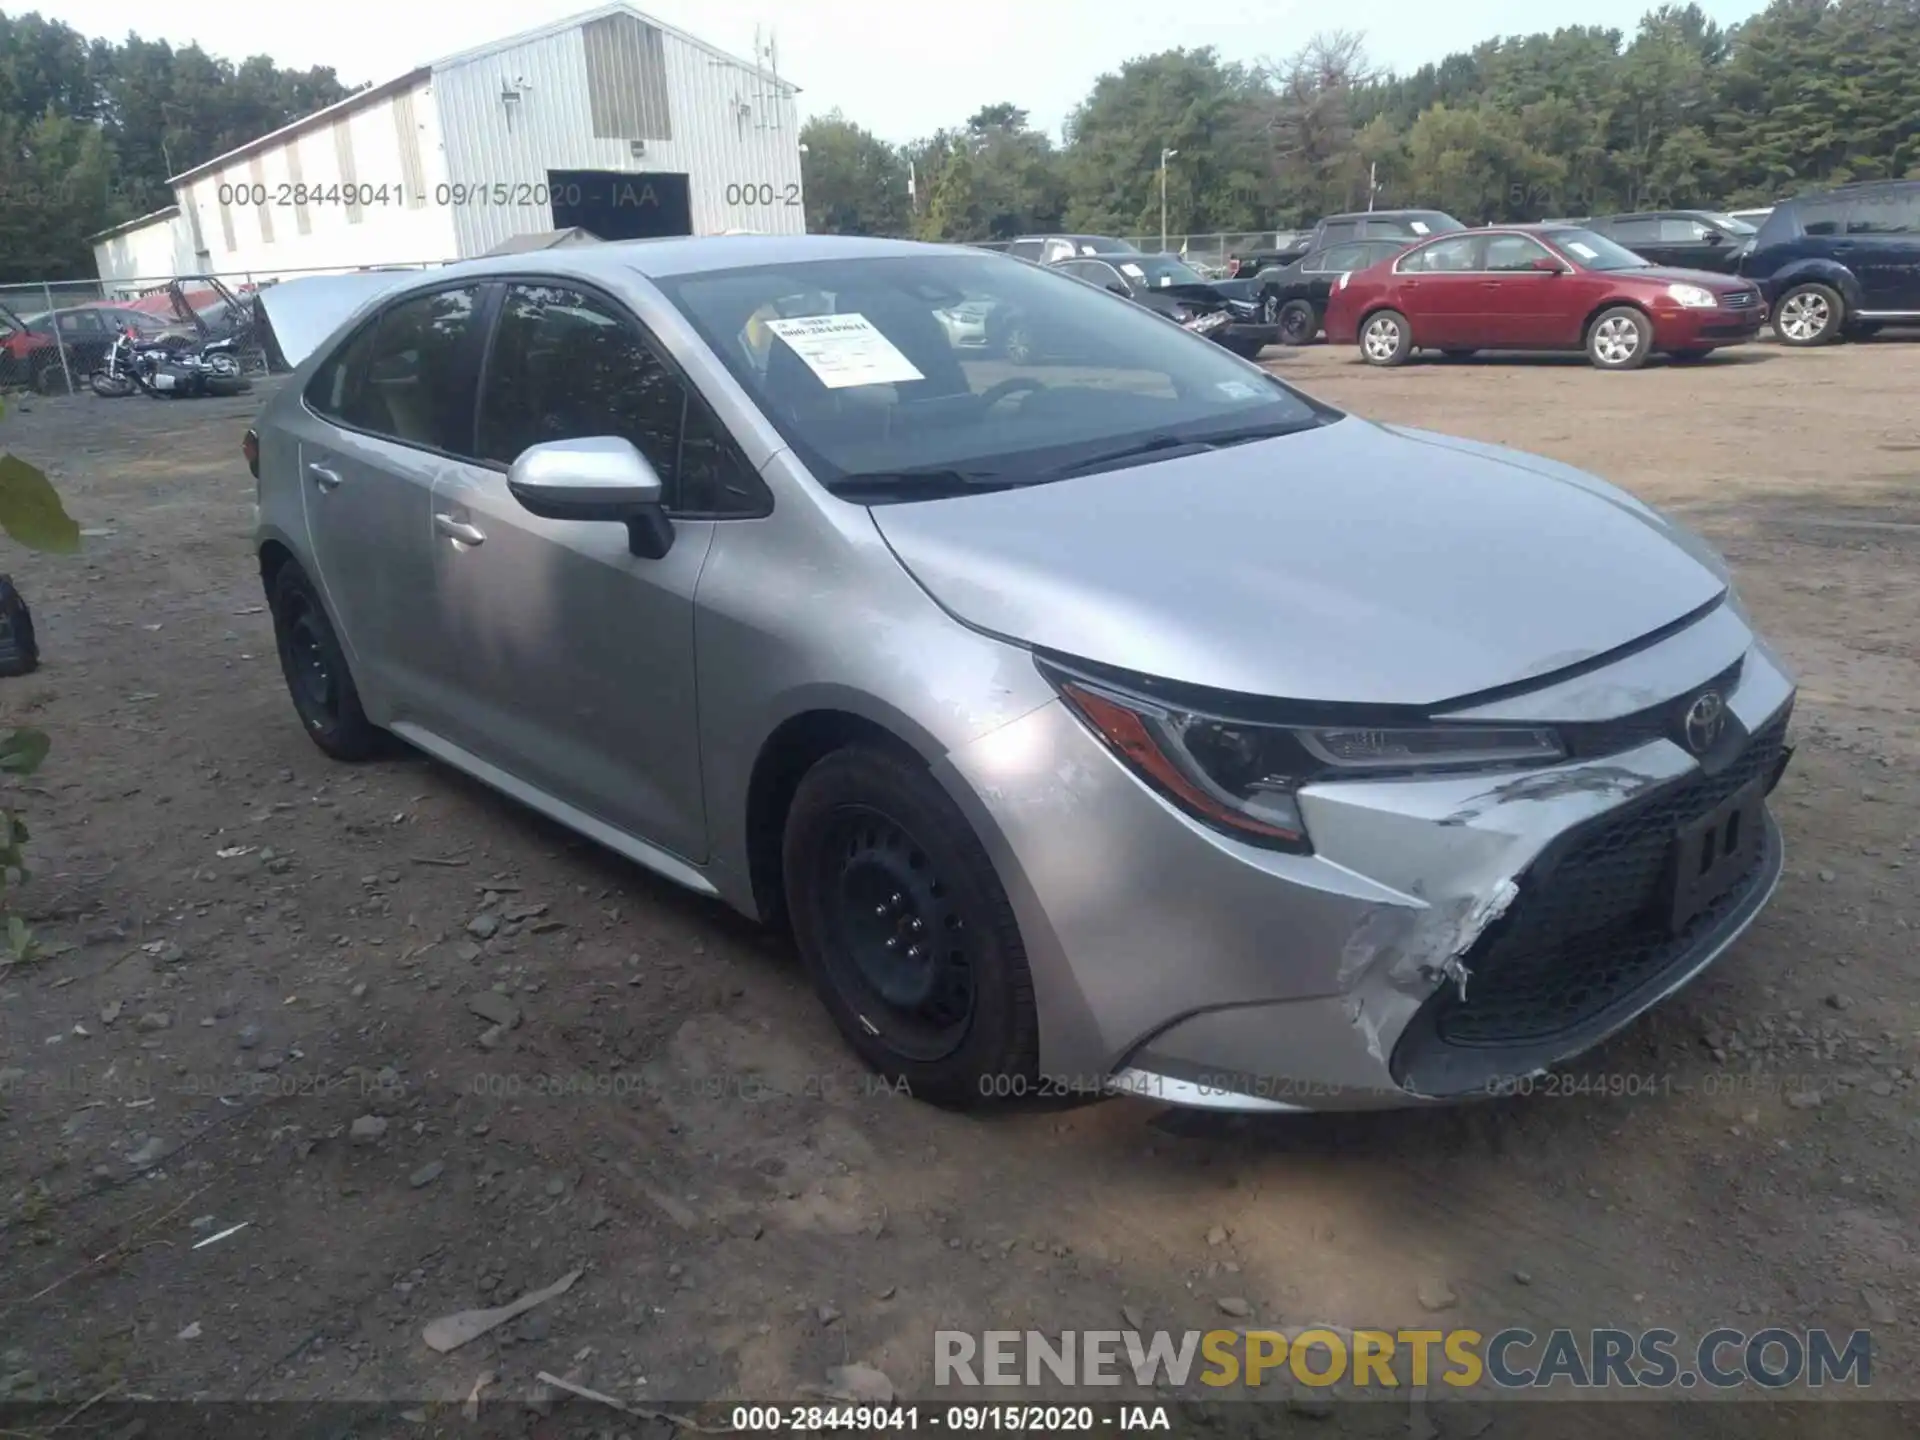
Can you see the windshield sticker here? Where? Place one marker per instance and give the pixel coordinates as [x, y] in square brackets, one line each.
[1134, 270]
[1419, 226]
[845, 350]
[1585, 252]
[1236, 389]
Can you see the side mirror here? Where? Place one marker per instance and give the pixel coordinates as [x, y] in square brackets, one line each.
[1714, 237]
[603, 478]
[1118, 287]
[1546, 265]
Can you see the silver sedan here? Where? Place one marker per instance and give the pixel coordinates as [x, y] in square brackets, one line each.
[1123, 721]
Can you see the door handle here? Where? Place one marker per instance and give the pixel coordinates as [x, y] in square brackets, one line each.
[328, 480]
[459, 530]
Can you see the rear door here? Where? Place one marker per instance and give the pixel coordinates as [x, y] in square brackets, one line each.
[1438, 289]
[391, 413]
[577, 657]
[1882, 248]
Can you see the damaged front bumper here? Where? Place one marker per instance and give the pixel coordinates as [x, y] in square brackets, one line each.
[1448, 936]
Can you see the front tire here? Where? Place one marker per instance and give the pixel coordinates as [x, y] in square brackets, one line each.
[1298, 323]
[1810, 315]
[315, 667]
[1619, 339]
[1386, 338]
[907, 932]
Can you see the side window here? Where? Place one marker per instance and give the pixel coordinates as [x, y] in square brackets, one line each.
[1101, 273]
[1058, 250]
[566, 365]
[1678, 230]
[1640, 231]
[1512, 252]
[1443, 256]
[408, 376]
[1387, 229]
[1024, 249]
[1340, 257]
[1893, 213]
[337, 382]
[1339, 231]
[1822, 217]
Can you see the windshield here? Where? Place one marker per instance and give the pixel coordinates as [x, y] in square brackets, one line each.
[858, 364]
[1596, 252]
[1731, 225]
[1155, 271]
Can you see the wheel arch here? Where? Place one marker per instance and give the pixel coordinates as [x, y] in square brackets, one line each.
[790, 750]
[1617, 302]
[1830, 273]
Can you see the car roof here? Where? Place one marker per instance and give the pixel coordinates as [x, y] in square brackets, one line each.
[661, 259]
[1381, 214]
[1856, 187]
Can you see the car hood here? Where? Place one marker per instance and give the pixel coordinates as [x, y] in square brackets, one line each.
[1355, 562]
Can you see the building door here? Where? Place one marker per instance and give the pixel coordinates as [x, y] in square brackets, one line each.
[619, 205]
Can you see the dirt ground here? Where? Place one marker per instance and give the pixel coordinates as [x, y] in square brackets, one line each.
[258, 1010]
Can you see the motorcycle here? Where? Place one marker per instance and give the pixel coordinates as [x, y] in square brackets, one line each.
[168, 371]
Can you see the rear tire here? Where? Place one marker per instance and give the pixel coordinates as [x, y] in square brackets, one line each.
[1386, 338]
[1298, 323]
[907, 932]
[315, 667]
[1810, 315]
[1619, 339]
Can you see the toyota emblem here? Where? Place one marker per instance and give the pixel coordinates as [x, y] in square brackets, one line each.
[1706, 718]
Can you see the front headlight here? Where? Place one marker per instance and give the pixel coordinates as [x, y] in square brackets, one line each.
[1244, 778]
[1693, 297]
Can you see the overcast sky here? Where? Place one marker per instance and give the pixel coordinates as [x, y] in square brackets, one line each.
[901, 68]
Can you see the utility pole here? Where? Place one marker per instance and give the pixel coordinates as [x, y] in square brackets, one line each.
[1165, 155]
[1373, 182]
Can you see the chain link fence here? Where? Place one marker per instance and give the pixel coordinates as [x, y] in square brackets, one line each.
[56, 333]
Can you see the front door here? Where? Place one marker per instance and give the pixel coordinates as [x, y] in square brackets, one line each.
[577, 657]
[394, 413]
[1520, 305]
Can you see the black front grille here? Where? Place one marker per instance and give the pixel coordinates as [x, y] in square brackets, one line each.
[1740, 300]
[1588, 740]
[1589, 927]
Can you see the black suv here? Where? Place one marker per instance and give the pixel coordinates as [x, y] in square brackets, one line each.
[1840, 262]
[1405, 226]
[1689, 239]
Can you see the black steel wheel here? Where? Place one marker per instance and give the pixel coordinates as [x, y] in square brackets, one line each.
[907, 932]
[315, 667]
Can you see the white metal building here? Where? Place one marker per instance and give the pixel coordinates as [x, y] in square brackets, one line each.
[610, 121]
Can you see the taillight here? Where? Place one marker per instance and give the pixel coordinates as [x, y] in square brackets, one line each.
[250, 447]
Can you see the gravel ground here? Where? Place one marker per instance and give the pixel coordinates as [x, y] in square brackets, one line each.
[434, 1052]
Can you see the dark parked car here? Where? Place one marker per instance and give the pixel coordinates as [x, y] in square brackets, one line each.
[1050, 249]
[1406, 226]
[1172, 288]
[1293, 298]
[1840, 263]
[1538, 287]
[1288, 246]
[1691, 239]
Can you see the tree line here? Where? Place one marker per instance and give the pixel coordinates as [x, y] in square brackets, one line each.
[1580, 121]
[90, 131]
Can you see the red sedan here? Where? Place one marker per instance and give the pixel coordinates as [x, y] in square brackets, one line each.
[1538, 287]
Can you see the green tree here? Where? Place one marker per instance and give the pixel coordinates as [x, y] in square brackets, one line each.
[856, 183]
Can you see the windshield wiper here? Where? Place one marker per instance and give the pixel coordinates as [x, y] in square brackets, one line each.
[1163, 447]
[886, 485]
